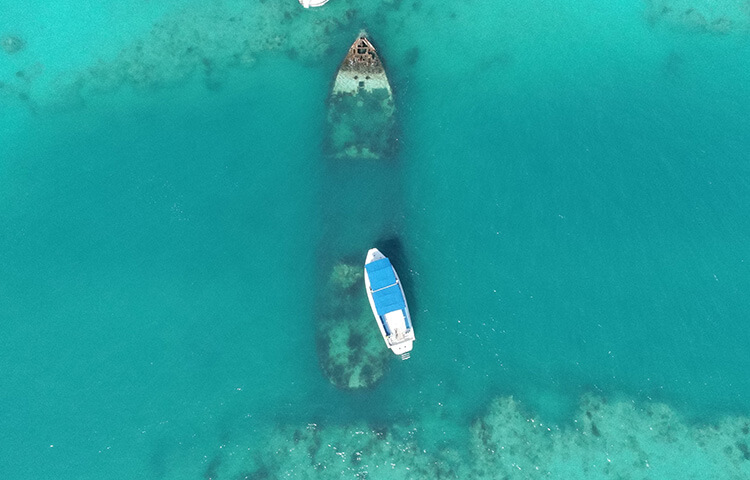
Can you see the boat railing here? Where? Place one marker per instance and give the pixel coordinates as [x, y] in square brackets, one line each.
[399, 336]
[383, 288]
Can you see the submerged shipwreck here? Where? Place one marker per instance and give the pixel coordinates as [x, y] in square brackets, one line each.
[361, 111]
[361, 204]
[351, 352]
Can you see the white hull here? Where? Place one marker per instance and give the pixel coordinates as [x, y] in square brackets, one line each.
[395, 326]
[312, 3]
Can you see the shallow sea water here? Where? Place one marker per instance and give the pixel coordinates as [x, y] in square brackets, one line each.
[576, 183]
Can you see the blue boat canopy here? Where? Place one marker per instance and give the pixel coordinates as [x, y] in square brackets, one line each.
[386, 294]
[380, 273]
[388, 300]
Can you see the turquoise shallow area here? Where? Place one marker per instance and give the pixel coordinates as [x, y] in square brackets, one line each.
[576, 189]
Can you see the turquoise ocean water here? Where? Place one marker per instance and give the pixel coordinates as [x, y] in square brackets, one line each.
[576, 221]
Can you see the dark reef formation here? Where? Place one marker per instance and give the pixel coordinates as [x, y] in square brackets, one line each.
[604, 439]
[209, 40]
[359, 452]
[617, 439]
[205, 41]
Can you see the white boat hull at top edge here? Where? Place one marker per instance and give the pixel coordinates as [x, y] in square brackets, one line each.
[312, 3]
[399, 346]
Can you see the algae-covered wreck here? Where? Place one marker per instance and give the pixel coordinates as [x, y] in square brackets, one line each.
[360, 205]
[351, 352]
[361, 111]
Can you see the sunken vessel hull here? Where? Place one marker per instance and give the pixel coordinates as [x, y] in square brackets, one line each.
[350, 351]
[361, 110]
[361, 193]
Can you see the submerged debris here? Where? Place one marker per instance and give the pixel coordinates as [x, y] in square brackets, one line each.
[12, 43]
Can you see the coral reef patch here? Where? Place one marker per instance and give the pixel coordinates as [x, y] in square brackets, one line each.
[605, 439]
[203, 42]
[357, 452]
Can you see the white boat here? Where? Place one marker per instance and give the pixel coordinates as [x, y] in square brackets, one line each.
[388, 303]
[313, 3]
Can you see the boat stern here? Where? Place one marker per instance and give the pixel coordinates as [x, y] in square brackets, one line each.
[403, 349]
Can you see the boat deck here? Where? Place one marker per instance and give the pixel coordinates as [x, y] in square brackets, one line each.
[388, 303]
[396, 322]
